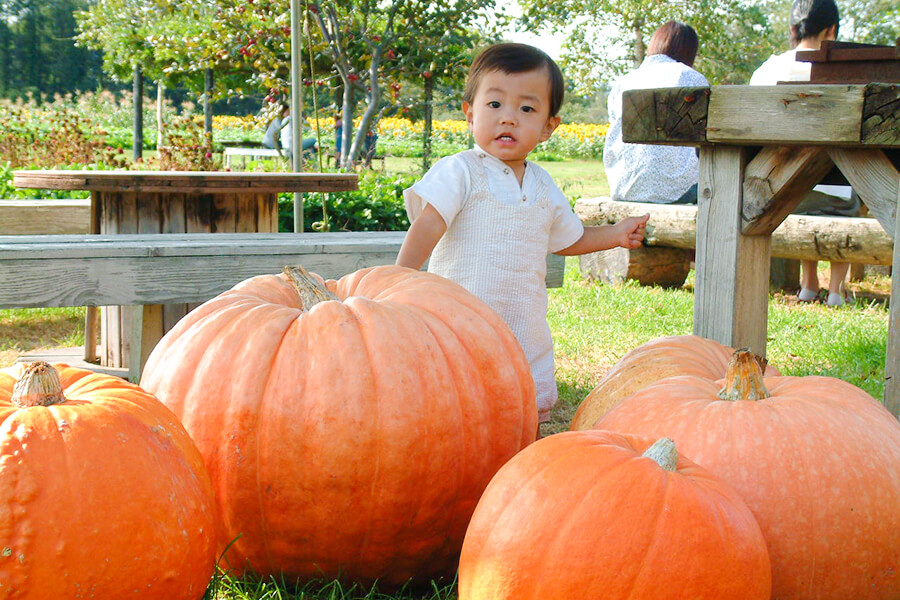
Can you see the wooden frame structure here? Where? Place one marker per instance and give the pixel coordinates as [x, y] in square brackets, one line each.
[761, 149]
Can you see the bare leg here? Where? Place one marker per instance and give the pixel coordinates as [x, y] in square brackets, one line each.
[835, 287]
[809, 280]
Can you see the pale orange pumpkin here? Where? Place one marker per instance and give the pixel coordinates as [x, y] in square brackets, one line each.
[350, 432]
[816, 459]
[650, 362]
[595, 514]
[102, 492]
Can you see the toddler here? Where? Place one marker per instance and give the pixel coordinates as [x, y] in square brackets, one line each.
[487, 217]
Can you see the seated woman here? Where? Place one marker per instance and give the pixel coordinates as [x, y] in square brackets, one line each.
[649, 173]
[812, 22]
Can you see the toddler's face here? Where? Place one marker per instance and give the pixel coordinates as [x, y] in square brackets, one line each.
[510, 113]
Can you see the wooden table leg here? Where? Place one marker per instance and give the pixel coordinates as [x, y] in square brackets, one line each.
[732, 270]
[892, 360]
[91, 317]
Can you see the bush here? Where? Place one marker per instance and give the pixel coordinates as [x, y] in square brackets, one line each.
[376, 206]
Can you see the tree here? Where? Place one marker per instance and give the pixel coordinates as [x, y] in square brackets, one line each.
[595, 55]
[37, 52]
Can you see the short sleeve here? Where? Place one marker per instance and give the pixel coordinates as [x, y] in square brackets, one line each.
[445, 186]
[566, 228]
[692, 78]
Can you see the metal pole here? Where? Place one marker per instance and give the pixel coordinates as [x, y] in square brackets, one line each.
[296, 110]
[137, 145]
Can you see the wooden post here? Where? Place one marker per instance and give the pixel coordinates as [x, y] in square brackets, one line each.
[892, 360]
[732, 269]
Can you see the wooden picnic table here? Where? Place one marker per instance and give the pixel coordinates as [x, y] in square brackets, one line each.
[762, 148]
[133, 202]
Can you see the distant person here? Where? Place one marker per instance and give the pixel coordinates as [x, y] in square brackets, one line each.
[278, 133]
[651, 173]
[812, 22]
[272, 137]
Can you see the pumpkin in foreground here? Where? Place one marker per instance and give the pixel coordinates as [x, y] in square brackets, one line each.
[348, 431]
[650, 362]
[103, 493]
[594, 514]
[816, 459]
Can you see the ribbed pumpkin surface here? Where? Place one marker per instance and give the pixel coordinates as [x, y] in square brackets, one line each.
[352, 439]
[102, 495]
[585, 515]
[649, 363]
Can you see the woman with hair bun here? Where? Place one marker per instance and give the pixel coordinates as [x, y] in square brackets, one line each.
[812, 22]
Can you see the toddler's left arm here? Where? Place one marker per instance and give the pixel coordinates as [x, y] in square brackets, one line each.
[628, 233]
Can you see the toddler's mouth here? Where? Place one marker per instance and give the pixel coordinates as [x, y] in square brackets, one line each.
[505, 137]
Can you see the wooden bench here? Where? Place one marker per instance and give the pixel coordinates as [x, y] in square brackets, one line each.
[252, 153]
[34, 217]
[152, 270]
[672, 233]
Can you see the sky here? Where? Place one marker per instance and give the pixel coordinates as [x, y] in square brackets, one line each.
[548, 42]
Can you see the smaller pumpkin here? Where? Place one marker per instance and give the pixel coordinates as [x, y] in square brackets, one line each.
[595, 514]
[103, 493]
[649, 363]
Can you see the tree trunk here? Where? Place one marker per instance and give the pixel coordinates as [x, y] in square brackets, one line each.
[426, 140]
[137, 145]
[640, 49]
[160, 103]
[207, 103]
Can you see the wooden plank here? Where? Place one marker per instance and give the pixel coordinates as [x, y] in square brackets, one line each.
[28, 217]
[732, 269]
[173, 221]
[799, 237]
[775, 182]
[892, 358]
[786, 114]
[675, 116]
[874, 177]
[193, 182]
[881, 114]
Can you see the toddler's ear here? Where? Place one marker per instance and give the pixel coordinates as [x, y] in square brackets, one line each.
[550, 127]
[467, 110]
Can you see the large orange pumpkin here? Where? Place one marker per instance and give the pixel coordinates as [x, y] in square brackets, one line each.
[649, 363]
[816, 458]
[102, 492]
[594, 514]
[350, 432]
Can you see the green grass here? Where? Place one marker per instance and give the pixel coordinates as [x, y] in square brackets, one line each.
[225, 587]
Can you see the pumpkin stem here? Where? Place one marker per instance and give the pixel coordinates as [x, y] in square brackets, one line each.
[663, 453]
[310, 289]
[744, 377]
[38, 386]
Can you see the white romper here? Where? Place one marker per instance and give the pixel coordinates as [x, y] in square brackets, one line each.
[498, 251]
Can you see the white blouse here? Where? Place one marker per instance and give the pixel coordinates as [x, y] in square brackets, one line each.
[645, 172]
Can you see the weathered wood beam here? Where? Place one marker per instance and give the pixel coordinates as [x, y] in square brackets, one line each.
[892, 358]
[775, 182]
[674, 116]
[797, 114]
[874, 178]
[881, 114]
[24, 217]
[800, 237]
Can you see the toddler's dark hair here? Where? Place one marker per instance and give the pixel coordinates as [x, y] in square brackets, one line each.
[516, 58]
[811, 17]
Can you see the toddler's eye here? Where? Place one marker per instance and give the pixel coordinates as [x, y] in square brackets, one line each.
[527, 109]
[494, 104]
